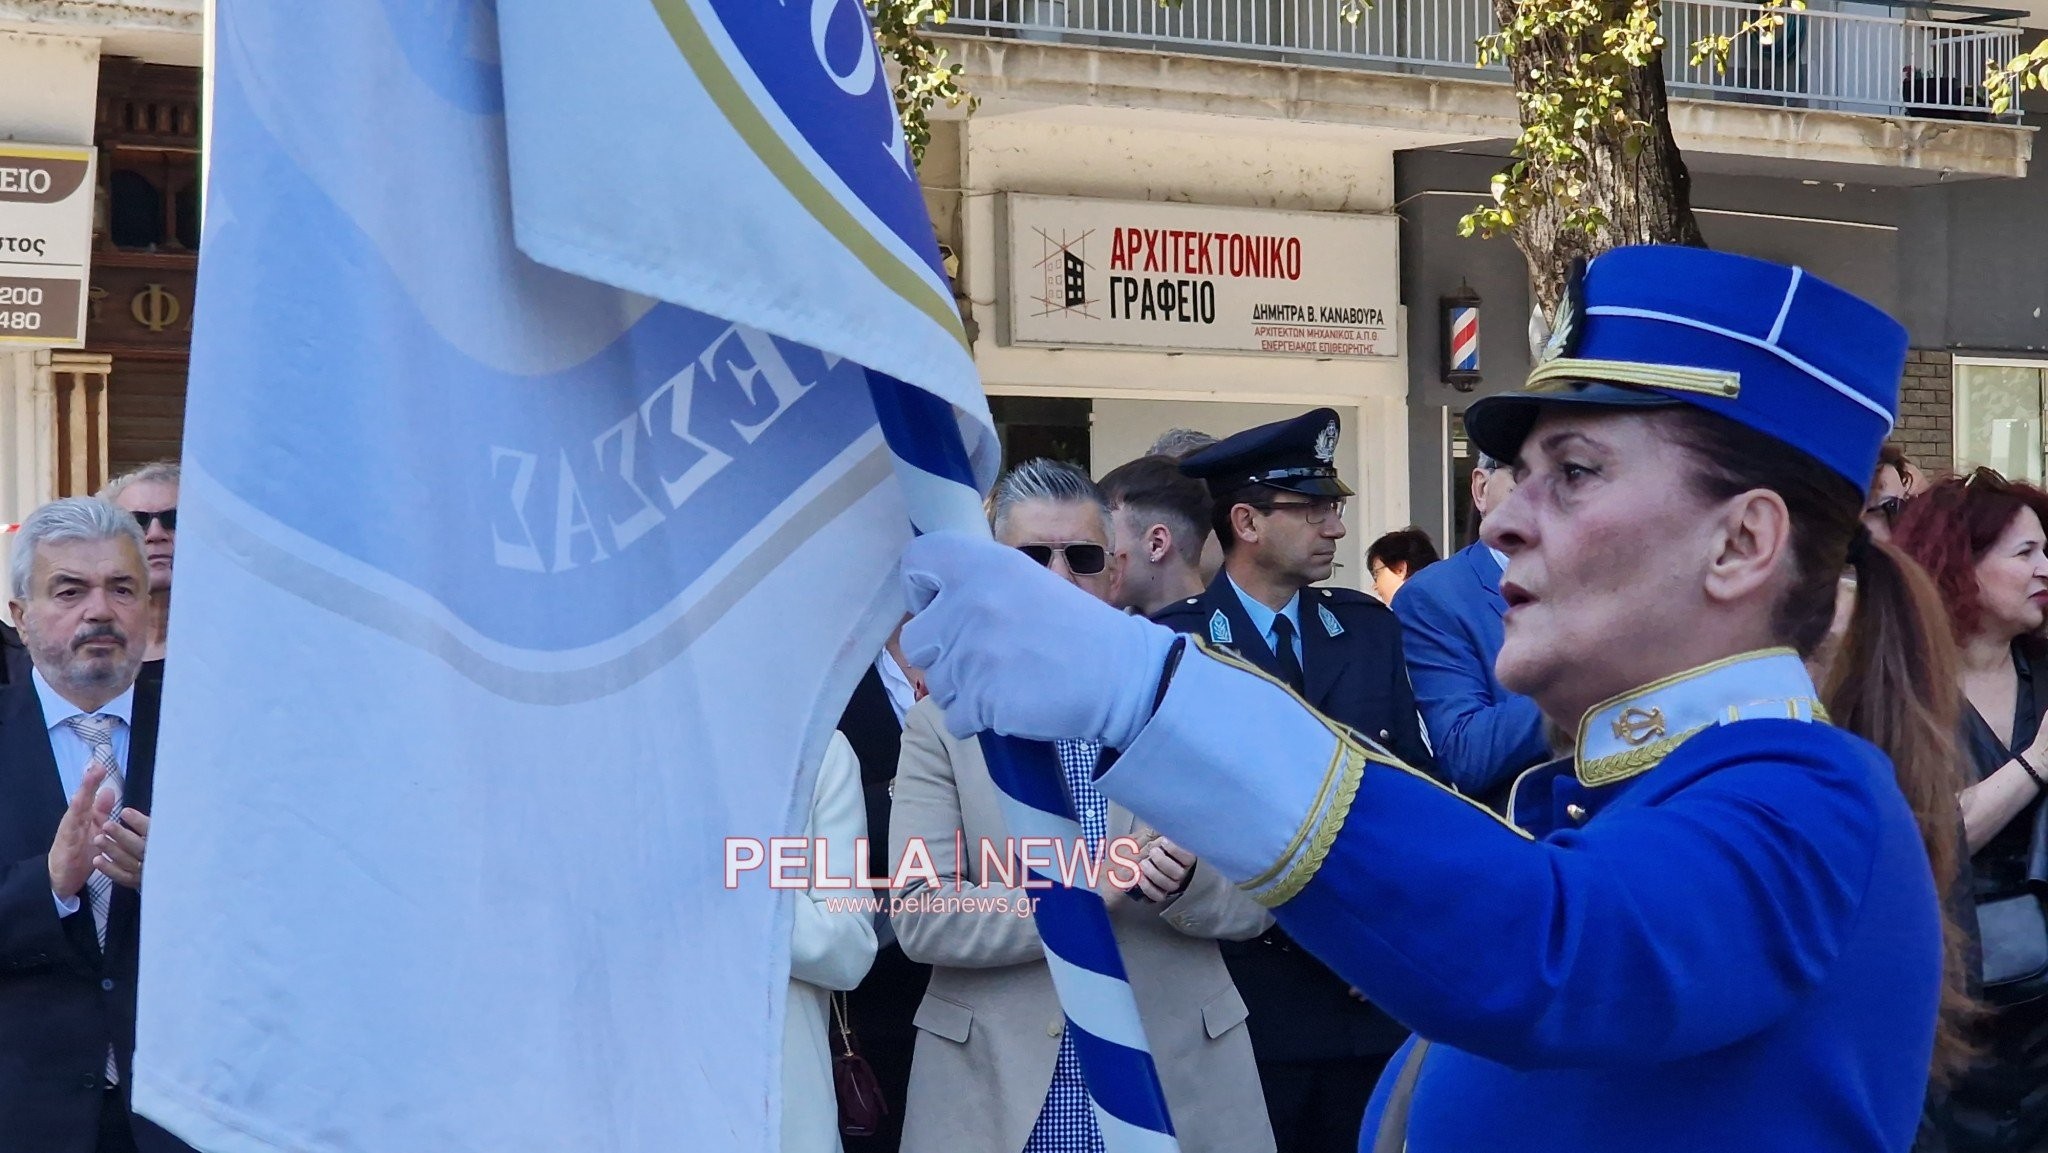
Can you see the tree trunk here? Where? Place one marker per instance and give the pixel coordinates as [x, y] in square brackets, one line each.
[1637, 178]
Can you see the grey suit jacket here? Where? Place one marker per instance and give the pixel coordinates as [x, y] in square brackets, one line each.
[989, 1027]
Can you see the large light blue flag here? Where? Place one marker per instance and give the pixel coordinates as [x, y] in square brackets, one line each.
[536, 525]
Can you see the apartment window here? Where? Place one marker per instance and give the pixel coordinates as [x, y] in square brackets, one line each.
[1998, 410]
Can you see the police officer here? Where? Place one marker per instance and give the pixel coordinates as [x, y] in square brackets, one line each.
[1278, 509]
[1715, 925]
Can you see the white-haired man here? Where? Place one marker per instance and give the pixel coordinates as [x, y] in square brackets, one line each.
[150, 495]
[78, 741]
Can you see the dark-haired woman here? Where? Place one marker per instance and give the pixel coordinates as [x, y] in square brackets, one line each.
[1981, 539]
[1716, 927]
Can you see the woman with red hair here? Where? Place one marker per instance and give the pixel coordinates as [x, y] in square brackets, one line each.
[1982, 539]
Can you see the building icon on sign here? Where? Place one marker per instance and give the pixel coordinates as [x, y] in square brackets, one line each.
[1064, 267]
[1077, 281]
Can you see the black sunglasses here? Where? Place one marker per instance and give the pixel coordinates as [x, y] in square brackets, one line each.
[1888, 508]
[168, 516]
[1082, 559]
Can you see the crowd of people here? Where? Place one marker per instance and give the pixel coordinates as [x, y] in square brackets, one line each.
[935, 1027]
[1233, 541]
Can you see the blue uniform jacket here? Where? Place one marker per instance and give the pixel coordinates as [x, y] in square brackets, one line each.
[1352, 666]
[1715, 929]
[1451, 630]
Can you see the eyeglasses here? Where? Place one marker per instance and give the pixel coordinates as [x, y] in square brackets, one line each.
[1082, 559]
[1312, 511]
[1888, 508]
[168, 517]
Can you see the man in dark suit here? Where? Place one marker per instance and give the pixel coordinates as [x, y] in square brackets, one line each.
[1279, 513]
[77, 753]
[1451, 622]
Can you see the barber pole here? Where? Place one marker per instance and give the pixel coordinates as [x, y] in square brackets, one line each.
[1461, 338]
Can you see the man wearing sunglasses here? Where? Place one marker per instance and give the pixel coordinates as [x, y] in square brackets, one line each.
[150, 495]
[990, 1024]
[1278, 509]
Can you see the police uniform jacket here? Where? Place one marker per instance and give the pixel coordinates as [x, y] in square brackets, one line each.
[1351, 657]
[1353, 672]
[1714, 929]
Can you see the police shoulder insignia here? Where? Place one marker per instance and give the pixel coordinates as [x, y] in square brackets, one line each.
[1330, 625]
[1219, 628]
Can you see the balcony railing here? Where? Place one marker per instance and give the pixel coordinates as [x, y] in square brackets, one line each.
[1849, 61]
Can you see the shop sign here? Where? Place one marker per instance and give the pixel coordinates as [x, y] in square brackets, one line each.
[46, 195]
[1194, 278]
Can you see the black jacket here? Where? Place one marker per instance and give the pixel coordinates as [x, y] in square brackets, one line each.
[62, 1002]
[1352, 666]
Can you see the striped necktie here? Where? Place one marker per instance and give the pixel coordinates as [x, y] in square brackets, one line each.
[98, 734]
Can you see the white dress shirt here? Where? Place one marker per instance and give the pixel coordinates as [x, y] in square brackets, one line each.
[73, 754]
[1263, 618]
[902, 694]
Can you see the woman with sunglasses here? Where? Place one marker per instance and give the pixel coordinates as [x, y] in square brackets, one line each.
[1715, 926]
[1981, 538]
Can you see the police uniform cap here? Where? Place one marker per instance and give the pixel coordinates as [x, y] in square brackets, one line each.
[1295, 455]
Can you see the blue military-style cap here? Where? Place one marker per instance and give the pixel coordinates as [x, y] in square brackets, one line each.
[1298, 455]
[1768, 346]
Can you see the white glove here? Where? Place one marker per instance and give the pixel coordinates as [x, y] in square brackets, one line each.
[1006, 646]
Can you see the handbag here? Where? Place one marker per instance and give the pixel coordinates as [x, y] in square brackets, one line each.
[861, 1107]
[2012, 929]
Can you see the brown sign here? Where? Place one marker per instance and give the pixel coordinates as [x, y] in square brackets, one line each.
[40, 180]
[139, 307]
[34, 309]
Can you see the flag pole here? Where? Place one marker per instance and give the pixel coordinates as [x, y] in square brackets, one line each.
[1080, 948]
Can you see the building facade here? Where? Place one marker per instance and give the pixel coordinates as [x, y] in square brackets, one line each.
[123, 82]
[1855, 143]
[1104, 202]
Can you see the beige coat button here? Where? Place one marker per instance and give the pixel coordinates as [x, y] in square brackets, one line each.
[1053, 1030]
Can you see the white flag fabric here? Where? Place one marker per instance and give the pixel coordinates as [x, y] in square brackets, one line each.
[512, 583]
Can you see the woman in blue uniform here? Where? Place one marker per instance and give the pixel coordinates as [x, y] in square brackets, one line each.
[1715, 925]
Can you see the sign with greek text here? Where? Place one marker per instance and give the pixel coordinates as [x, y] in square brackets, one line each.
[1185, 277]
[45, 244]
